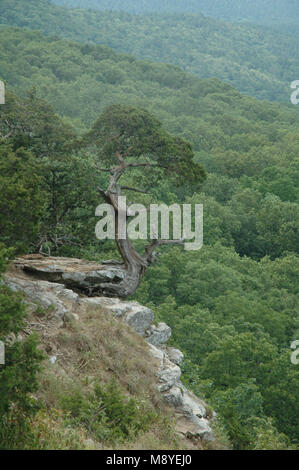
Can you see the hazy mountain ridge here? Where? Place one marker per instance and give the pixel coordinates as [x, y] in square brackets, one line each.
[257, 62]
[269, 12]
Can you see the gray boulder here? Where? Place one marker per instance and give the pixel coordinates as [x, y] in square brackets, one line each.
[175, 356]
[174, 396]
[158, 335]
[137, 316]
[169, 375]
[53, 297]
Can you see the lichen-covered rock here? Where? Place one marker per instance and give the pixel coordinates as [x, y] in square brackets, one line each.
[45, 281]
[189, 408]
[157, 354]
[169, 375]
[158, 335]
[52, 297]
[174, 396]
[195, 428]
[84, 276]
[175, 355]
[192, 405]
[137, 316]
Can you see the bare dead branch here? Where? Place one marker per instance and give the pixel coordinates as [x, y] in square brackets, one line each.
[7, 135]
[149, 249]
[108, 170]
[128, 188]
[144, 164]
[125, 154]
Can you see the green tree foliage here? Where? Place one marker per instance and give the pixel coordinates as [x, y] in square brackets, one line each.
[22, 197]
[48, 194]
[241, 410]
[233, 305]
[281, 387]
[261, 11]
[18, 377]
[32, 123]
[135, 133]
[234, 318]
[256, 60]
[108, 414]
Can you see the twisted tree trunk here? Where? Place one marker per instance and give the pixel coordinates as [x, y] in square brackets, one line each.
[135, 265]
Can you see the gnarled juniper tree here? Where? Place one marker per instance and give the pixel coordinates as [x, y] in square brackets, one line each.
[126, 138]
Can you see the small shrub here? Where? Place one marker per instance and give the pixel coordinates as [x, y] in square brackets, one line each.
[107, 414]
[18, 376]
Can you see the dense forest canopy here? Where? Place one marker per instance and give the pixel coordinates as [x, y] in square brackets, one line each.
[256, 11]
[80, 80]
[233, 305]
[255, 60]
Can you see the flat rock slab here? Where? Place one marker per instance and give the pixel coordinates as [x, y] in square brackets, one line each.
[81, 275]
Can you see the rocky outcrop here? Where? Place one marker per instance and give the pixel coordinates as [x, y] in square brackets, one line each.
[74, 273]
[64, 304]
[175, 356]
[158, 335]
[137, 316]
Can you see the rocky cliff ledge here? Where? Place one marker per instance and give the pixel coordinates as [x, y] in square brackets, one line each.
[61, 284]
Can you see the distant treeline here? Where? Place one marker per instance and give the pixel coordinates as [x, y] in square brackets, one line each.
[255, 60]
[257, 11]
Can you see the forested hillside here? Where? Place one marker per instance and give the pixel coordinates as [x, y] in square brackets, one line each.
[233, 305]
[255, 60]
[269, 12]
[253, 9]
